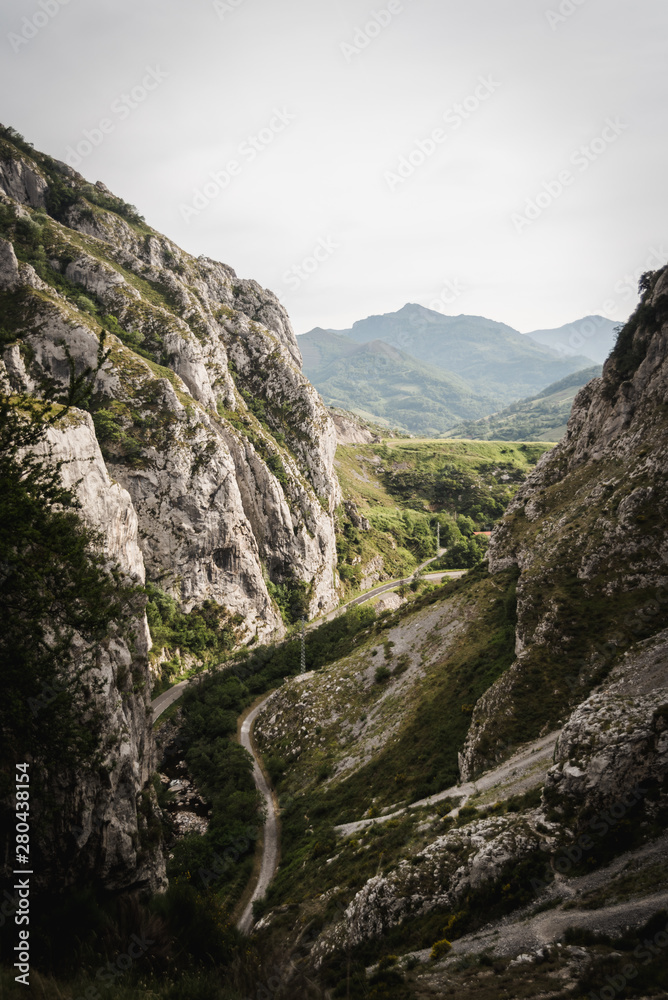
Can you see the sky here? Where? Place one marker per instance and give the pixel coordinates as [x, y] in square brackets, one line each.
[503, 158]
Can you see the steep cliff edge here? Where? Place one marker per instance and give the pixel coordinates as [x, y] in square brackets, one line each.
[544, 866]
[93, 813]
[101, 833]
[587, 532]
[200, 407]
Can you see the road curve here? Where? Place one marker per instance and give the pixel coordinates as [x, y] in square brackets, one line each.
[392, 585]
[168, 697]
[270, 834]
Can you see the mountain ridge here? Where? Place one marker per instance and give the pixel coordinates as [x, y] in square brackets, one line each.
[462, 367]
[539, 418]
[596, 334]
[377, 379]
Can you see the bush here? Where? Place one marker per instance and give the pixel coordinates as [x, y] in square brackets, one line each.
[208, 631]
[439, 949]
[382, 674]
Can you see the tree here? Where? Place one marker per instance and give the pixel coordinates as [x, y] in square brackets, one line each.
[59, 602]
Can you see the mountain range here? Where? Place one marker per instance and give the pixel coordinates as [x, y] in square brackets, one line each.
[472, 779]
[425, 372]
[539, 418]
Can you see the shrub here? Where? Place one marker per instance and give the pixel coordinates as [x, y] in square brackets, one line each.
[439, 949]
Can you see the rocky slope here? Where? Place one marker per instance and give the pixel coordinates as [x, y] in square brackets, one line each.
[587, 531]
[98, 823]
[200, 406]
[536, 875]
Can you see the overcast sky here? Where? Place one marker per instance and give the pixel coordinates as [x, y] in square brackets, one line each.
[497, 157]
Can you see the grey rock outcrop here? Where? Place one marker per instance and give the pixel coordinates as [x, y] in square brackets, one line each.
[586, 531]
[444, 873]
[612, 754]
[201, 409]
[349, 430]
[101, 816]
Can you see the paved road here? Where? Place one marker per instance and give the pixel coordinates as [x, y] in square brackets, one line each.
[168, 697]
[270, 835]
[367, 595]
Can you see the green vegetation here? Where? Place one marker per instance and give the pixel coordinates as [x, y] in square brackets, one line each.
[424, 372]
[266, 666]
[223, 856]
[630, 348]
[405, 488]
[420, 760]
[292, 598]
[380, 383]
[539, 418]
[474, 478]
[208, 632]
[53, 587]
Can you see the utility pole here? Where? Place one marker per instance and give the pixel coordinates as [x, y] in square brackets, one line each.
[303, 651]
[438, 537]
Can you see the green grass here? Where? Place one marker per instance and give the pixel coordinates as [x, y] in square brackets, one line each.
[460, 477]
[404, 487]
[538, 418]
[420, 760]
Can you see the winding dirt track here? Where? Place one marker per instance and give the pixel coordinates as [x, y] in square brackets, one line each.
[270, 834]
[270, 831]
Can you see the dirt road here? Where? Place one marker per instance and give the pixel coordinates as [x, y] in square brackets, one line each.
[270, 832]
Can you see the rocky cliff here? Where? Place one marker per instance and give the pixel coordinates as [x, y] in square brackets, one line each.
[200, 407]
[587, 533]
[201, 454]
[100, 822]
[542, 872]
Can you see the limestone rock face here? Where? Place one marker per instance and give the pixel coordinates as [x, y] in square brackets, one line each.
[349, 430]
[98, 821]
[612, 754]
[205, 458]
[20, 182]
[442, 875]
[586, 532]
[200, 407]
